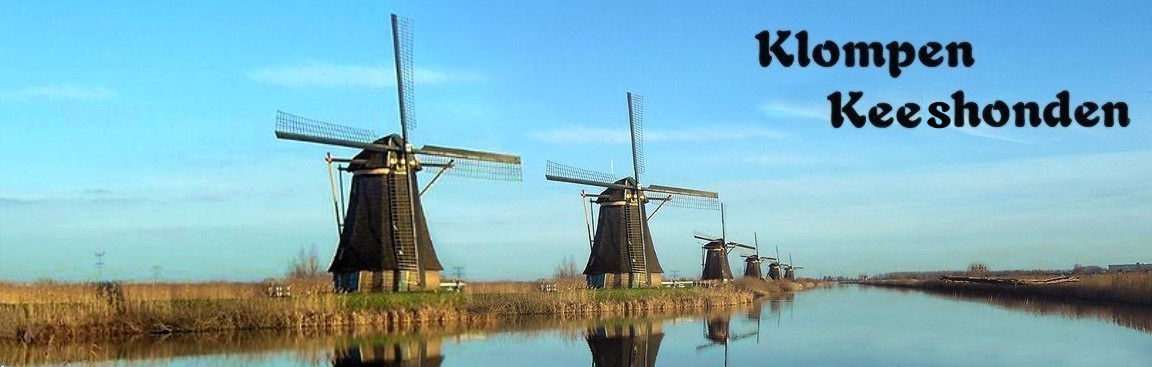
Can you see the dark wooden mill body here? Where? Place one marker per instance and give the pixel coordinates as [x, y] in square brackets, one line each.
[622, 253]
[752, 267]
[716, 262]
[774, 270]
[385, 244]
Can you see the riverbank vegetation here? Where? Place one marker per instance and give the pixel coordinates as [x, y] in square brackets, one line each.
[44, 311]
[1132, 288]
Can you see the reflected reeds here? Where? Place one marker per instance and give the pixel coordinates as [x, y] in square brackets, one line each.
[1131, 316]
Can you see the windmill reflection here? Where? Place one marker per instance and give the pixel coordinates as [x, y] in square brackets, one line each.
[717, 331]
[423, 352]
[634, 344]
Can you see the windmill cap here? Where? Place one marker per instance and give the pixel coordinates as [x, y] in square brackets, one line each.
[715, 245]
[372, 159]
[616, 194]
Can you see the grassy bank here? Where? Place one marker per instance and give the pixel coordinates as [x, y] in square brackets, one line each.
[42, 312]
[1130, 288]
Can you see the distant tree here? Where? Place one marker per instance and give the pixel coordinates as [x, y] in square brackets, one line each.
[305, 264]
[977, 268]
[566, 268]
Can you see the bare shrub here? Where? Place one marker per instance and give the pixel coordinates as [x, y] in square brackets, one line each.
[306, 264]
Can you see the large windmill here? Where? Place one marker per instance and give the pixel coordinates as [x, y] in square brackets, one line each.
[622, 254]
[714, 256]
[384, 239]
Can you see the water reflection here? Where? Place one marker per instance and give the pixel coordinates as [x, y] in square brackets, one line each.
[631, 344]
[1132, 316]
[411, 351]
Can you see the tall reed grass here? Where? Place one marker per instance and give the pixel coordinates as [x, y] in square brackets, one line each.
[44, 311]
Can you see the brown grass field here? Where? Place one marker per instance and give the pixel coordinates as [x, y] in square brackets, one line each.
[1131, 288]
[46, 311]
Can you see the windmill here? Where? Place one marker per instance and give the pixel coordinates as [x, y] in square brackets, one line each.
[774, 266]
[622, 254]
[714, 256]
[789, 268]
[384, 240]
[752, 262]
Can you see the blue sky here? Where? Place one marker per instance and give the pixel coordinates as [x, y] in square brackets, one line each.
[145, 130]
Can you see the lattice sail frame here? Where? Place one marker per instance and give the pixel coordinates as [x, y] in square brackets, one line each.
[556, 169]
[402, 40]
[636, 123]
[690, 202]
[291, 126]
[473, 168]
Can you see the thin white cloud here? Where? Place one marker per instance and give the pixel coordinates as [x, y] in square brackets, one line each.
[784, 160]
[586, 134]
[321, 74]
[978, 132]
[781, 109]
[59, 92]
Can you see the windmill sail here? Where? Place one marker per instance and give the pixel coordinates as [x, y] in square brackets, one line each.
[402, 52]
[473, 163]
[292, 127]
[564, 173]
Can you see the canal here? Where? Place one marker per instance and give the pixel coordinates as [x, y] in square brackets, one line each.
[843, 325]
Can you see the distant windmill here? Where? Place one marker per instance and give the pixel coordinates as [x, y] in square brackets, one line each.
[622, 253]
[384, 240]
[752, 262]
[790, 268]
[714, 257]
[774, 267]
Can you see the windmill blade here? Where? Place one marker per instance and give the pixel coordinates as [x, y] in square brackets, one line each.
[476, 168]
[682, 191]
[705, 236]
[688, 198]
[475, 155]
[564, 173]
[402, 51]
[292, 127]
[740, 245]
[692, 202]
[636, 123]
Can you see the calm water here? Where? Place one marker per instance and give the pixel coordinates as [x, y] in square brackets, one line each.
[840, 326]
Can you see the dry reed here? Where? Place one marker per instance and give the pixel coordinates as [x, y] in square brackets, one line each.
[44, 311]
